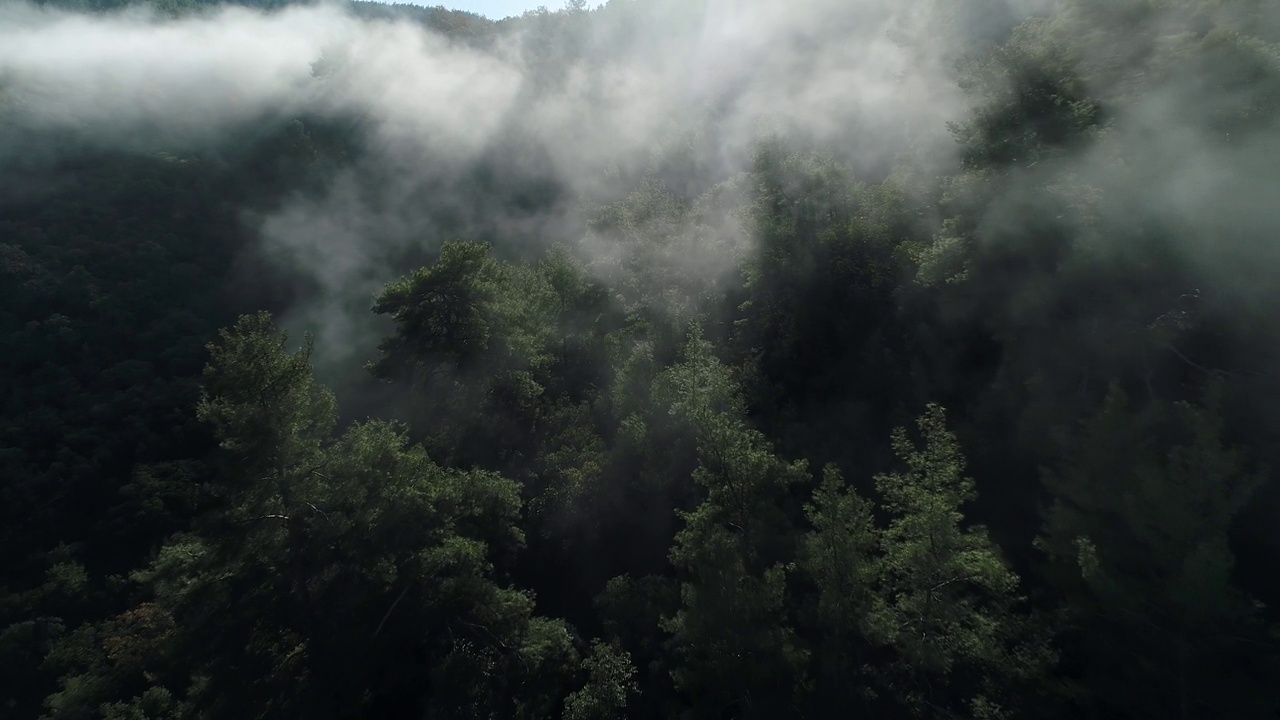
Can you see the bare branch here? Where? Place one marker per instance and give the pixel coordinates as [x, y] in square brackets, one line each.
[390, 610]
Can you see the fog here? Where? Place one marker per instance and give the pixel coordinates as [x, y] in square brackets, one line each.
[584, 103]
[870, 79]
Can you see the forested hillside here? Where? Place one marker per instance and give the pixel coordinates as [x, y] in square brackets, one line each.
[666, 359]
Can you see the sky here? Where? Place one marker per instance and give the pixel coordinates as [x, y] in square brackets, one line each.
[495, 9]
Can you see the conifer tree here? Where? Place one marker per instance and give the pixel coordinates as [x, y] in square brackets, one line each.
[736, 651]
[946, 601]
[1138, 541]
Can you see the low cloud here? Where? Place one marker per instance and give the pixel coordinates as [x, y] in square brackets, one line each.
[568, 100]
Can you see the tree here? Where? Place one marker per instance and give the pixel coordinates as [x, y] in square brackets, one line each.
[1138, 541]
[945, 601]
[486, 349]
[342, 576]
[609, 683]
[839, 556]
[734, 646]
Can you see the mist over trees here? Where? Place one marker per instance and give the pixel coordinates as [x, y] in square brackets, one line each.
[659, 359]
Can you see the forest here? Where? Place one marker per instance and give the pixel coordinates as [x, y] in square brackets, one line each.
[659, 359]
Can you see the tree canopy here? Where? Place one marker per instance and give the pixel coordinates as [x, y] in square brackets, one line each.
[614, 415]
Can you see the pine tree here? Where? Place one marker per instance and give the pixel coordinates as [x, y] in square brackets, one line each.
[736, 651]
[839, 556]
[946, 602]
[1138, 543]
[340, 576]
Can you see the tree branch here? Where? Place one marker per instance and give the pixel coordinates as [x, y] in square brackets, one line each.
[390, 610]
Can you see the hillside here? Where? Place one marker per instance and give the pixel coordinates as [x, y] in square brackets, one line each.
[666, 359]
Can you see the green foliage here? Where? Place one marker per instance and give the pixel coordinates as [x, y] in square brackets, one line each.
[921, 616]
[472, 333]
[948, 602]
[731, 634]
[606, 418]
[344, 559]
[456, 24]
[668, 260]
[610, 680]
[839, 554]
[1035, 103]
[1139, 538]
[115, 267]
[822, 324]
[449, 312]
